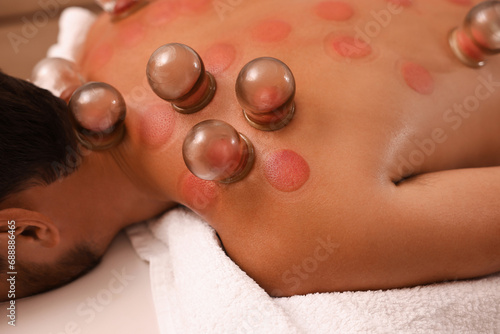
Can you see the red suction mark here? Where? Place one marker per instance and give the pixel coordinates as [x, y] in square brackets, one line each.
[221, 155]
[156, 125]
[334, 10]
[468, 47]
[286, 170]
[418, 78]
[269, 98]
[269, 31]
[350, 47]
[198, 194]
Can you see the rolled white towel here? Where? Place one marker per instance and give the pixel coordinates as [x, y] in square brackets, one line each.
[74, 25]
[198, 289]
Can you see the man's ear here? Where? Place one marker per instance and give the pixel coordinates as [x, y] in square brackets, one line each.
[29, 227]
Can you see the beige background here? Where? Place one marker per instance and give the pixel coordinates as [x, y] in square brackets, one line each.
[18, 60]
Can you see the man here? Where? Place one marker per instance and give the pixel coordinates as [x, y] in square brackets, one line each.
[61, 228]
[391, 157]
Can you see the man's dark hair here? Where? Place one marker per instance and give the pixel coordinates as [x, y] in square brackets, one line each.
[35, 134]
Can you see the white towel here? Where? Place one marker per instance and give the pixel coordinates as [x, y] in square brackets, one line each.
[74, 25]
[198, 289]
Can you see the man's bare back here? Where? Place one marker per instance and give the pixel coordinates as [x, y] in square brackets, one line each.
[379, 177]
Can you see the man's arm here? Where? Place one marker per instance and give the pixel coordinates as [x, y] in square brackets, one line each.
[447, 225]
[433, 227]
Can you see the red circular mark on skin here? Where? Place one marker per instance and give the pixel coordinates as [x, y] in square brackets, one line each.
[219, 58]
[221, 155]
[461, 2]
[402, 3]
[334, 10]
[286, 170]
[468, 47]
[269, 31]
[100, 55]
[350, 47]
[418, 78]
[194, 6]
[160, 13]
[130, 34]
[269, 98]
[156, 125]
[198, 194]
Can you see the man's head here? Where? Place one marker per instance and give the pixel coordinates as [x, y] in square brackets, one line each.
[35, 133]
[35, 139]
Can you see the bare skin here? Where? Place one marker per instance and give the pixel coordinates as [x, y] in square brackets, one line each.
[383, 214]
